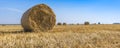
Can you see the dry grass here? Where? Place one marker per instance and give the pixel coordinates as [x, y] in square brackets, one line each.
[69, 36]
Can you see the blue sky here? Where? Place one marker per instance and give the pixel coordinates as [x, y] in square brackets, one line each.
[69, 11]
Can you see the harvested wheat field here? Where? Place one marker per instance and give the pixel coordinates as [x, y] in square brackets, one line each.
[69, 36]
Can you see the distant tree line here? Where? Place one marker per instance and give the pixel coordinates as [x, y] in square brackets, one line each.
[116, 23]
[85, 23]
[61, 23]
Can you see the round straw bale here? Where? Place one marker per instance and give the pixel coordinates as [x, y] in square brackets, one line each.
[38, 18]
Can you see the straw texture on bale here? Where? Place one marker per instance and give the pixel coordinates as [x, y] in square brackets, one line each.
[38, 18]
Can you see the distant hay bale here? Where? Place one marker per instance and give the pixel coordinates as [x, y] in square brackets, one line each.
[77, 24]
[99, 23]
[38, 18]
[64, 23]
[3, 25]
[86, 23]
[59, 23]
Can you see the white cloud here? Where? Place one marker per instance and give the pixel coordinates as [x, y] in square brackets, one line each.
[15, 10]
[12, 9]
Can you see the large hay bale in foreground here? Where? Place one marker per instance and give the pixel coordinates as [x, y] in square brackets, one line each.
[38, 18]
